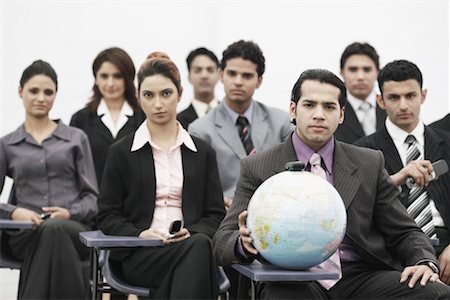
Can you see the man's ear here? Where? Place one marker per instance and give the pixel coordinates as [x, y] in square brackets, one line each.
[19, 91]
[342, 117]
[260, 79]
[424, 95]
[221, 75]
[380, 101]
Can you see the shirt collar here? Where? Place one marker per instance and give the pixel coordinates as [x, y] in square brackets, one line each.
[126, 109]
[142, 136]
[234, 115]
[61, 131]
[356, 102]
[304, 152]
[201, 107]
[398, 135]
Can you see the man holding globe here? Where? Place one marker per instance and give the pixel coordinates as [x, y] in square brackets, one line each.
[384, 254]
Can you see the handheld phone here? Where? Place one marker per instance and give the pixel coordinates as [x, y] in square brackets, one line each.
[45, 216]
[174, 227]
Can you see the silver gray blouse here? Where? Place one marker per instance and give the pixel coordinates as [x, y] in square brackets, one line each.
[59, 172]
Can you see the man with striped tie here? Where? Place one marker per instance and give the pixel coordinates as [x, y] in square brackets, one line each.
[384, 255]
[410, 148]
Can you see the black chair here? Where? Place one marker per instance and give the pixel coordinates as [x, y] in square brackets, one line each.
[107, 279]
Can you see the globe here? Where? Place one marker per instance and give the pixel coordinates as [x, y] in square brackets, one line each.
[297, 220]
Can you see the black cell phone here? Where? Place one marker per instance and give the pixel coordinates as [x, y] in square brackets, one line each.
[174, 227]
[45, 216]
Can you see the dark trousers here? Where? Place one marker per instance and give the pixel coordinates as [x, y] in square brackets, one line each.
[444, 239]
[359, 281]
[184, 270]
[53, 258]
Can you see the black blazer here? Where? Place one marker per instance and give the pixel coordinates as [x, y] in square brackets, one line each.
[187, 116]
[437, 146]
[351, 130]
[99, 135]
[127, 196]
[443, 124]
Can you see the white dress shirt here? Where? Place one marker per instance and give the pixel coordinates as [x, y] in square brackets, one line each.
[398, 135]
[368, 119]
[201, 108]
[106, 117]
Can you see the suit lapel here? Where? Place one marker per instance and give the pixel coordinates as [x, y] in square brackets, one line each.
[386, 145]
[351, 118]
[286, 155]
[228, 132]
[345, 182]
[147, 166]
[260, 127]
[101, 129]
[189, 182]
[434, 148]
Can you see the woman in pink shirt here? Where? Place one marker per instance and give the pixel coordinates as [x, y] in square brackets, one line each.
[156, 176]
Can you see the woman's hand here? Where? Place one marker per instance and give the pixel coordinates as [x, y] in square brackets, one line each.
[57, 212]
[179, 236]
[152, 233]
[23, 214]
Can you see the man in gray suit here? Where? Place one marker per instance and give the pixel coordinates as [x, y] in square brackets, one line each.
[384, 254]
[240, 126]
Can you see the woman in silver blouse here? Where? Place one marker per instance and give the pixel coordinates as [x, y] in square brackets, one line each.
[55, 187]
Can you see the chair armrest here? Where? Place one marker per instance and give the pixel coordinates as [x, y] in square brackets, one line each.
[12, 224]
[97, 239]
[262, 272]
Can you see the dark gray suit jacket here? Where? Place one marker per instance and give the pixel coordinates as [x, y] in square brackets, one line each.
[351, 130]
[377, 223]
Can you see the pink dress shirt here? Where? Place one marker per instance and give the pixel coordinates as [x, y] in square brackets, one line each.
[169, 176]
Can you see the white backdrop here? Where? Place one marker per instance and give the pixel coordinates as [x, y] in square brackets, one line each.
[294, 36]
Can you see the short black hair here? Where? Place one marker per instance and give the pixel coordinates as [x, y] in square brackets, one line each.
[399, 70]
[201, 51]
[361, 49]
[39, 67]
[247, 50]
[323, 76]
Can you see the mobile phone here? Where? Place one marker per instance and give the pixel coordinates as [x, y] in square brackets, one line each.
[45, 216]
[174, 227]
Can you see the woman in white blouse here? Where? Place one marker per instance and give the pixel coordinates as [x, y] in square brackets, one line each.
[113, 111]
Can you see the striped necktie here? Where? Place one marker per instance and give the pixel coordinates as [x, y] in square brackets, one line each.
[333, 263]
[418, 205]
[244, 133]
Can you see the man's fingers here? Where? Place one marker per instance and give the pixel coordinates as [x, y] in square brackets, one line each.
[243, 218]
[250, 249]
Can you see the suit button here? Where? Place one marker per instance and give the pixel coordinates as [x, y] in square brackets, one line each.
[403, 195]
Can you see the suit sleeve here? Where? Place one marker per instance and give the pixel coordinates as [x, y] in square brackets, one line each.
[214, 210]
[226, 237]
[402, 235]
[110, 218]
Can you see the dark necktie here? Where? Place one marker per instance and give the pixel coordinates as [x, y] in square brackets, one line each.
[244, 133]
[418, 205]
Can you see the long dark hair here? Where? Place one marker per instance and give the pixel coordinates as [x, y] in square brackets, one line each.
[123, 62]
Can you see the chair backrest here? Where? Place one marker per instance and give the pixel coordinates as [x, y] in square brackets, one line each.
[115, 281]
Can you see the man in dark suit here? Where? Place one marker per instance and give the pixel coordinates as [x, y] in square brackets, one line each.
[443, 124]
[359, 69]
[402, 96]
[203, 67]
[384, 254]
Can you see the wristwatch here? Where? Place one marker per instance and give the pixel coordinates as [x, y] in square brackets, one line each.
[433, 267]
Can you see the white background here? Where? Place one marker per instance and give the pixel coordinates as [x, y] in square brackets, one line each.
[294, 36]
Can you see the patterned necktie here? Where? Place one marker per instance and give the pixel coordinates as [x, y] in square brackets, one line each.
[418, 205]
[368, 119]
[333, 263]
[244, 134]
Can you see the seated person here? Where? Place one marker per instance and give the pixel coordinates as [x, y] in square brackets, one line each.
[384, 254]
[52, 169]
[155, 176]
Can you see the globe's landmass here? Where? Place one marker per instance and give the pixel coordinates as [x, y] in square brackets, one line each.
[296, 219]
